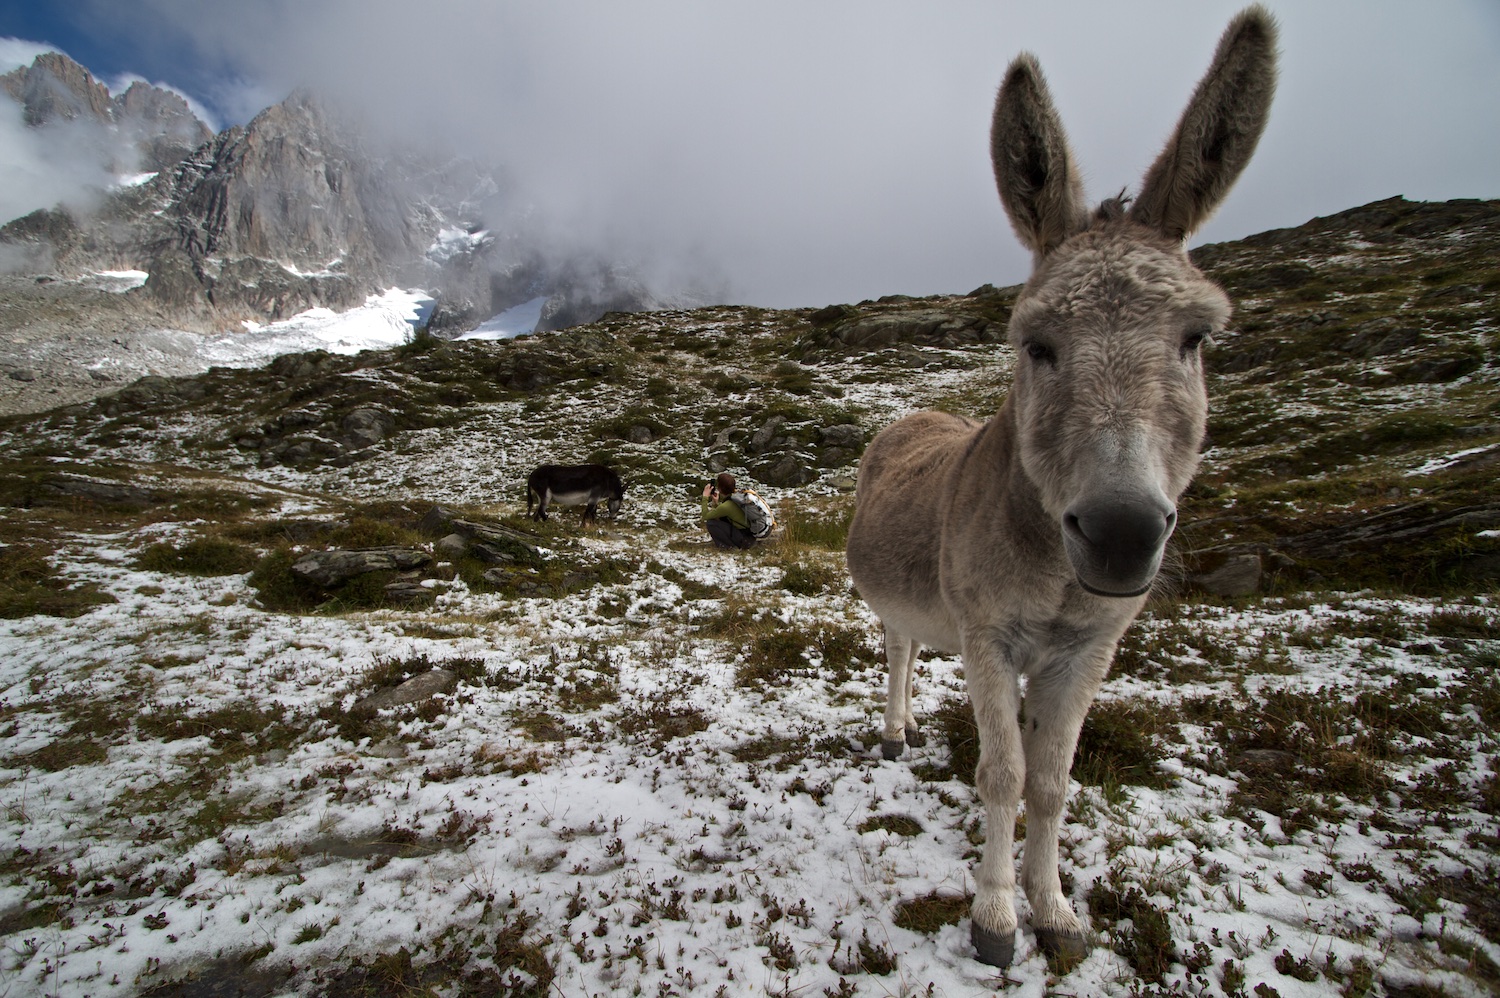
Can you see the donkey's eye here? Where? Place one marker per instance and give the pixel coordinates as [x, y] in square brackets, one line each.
[1039, 351]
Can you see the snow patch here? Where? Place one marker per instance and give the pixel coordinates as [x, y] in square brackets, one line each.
[517, 321]
[118, 280]
[329, 269]
[134, 179]
[1437, 464]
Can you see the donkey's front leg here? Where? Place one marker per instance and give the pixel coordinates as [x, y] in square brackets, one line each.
[1057, 698]
[998, 777]
[900, 724]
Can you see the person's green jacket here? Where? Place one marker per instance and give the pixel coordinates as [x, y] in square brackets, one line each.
[726, 510]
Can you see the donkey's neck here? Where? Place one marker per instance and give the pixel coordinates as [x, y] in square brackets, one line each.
[1006, 493]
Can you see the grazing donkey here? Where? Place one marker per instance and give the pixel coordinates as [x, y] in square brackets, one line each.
[1028, 543]
[584, 485]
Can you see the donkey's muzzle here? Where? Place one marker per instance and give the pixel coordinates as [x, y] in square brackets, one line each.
[1116, 547]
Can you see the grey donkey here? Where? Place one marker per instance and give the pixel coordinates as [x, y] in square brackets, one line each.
[1028, 543]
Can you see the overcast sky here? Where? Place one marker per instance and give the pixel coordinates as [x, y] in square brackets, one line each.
[816, 152]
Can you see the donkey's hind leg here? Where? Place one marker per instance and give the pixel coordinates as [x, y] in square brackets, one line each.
[914, 736]
[900, 725]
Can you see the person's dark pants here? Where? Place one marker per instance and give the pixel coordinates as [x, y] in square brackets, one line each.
[727, 535]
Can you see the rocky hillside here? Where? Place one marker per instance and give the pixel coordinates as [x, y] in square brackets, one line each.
[1354, 432]
[298, 208]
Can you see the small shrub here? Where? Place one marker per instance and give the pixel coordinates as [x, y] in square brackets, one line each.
[1142, 932]
[209, 556]
[809, 580]
[1119, 745]
[930, 912]
[896, 824]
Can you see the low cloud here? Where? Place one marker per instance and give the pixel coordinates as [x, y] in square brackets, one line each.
[60, 163]
[813, 153]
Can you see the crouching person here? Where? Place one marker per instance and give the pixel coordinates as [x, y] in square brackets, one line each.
[725, 518]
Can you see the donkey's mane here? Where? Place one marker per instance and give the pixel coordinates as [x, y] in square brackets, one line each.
[1111, 209]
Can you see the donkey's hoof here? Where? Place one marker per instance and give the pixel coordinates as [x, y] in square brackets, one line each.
[1063, 948]
[914, 736]
[994, 948]
[892, 748]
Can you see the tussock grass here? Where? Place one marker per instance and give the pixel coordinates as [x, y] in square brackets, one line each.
[29, 585]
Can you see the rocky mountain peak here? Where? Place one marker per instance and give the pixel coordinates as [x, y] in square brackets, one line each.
[164, 128]
[55, 87]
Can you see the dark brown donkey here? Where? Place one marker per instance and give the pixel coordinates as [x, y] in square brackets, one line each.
[1028, 543]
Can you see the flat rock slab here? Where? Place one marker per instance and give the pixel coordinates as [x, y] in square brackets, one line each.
[414, 690]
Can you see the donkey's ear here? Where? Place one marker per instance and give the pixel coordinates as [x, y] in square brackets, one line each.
[1039, 184]
[1218, 131]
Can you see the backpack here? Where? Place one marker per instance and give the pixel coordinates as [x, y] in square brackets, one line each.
[757, 513]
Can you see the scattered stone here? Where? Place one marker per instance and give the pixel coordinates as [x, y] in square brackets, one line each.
[790, 470]
[329, 568]
[1267, 759]
[437, 521]
[452, 546]
[832, 314]
[1235, 575]
[763, 437]
[367, 426]
[492, 554]
[94, 490]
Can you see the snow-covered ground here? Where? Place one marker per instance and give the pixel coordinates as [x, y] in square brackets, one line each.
[606, 785]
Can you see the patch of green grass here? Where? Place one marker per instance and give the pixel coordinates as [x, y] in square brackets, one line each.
[658, 723]
[209, 556]
[1301, 754]
[954, 721]
[1141, 931]
[828, 530]
[789, 750]
[1120, 744]
[809, 580]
